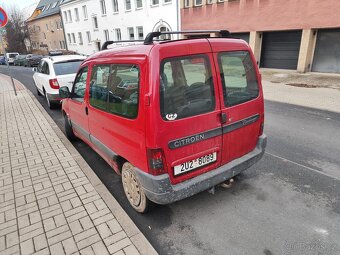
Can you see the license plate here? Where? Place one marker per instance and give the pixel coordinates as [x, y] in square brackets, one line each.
[196, 163]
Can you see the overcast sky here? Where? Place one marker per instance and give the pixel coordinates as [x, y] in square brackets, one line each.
[19, 3]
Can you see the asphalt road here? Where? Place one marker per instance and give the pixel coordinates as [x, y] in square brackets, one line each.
[288, 203]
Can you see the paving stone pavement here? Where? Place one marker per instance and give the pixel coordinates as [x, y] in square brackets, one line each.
[48, 205]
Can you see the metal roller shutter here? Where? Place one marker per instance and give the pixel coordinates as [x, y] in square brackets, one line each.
[327, 52]
[281, 49]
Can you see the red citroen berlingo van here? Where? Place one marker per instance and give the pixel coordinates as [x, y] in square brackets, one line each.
[173, 117]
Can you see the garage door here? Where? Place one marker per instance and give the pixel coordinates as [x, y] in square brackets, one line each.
[243, 36]
[281, 49]
[327, 52]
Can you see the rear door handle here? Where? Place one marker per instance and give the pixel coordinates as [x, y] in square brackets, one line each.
[223, 118]
[86, 110]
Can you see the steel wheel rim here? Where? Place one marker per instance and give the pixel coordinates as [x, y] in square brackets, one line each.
[131, 187]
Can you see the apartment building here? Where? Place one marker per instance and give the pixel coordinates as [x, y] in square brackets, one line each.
[302, 35]
[89, 23]
[45, 27]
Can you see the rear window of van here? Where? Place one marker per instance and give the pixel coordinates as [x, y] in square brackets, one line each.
[186, 87]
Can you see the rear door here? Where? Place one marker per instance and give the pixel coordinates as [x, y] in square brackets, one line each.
[241, 99]
[188, 125]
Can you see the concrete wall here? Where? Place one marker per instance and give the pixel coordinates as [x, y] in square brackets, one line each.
[54, 35]
[150, 17]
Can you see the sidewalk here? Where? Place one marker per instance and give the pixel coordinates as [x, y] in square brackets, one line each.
[313, 92]
[51, 202]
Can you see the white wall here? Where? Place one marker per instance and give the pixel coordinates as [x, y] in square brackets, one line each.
[150, 17]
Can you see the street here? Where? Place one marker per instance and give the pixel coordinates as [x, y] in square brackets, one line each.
[288, 203]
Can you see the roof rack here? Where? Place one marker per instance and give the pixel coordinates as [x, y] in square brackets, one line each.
[107, 43]
[149, 38]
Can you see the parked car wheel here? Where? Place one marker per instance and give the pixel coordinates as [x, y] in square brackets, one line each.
[50, 104]
[68, 129]
[133, 190]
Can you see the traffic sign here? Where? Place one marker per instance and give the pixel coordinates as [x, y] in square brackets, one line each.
[3, 18]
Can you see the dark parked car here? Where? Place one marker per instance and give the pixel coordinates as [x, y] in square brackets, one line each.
[33, 60]
[2, 60]
[20, 60]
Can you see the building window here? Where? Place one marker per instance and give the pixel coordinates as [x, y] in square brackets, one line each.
[69, 16]
[107, 35]
[47, 27]
[220, 1]
[103, 7]
[61, 45]
[80, 38]
[85, 11]
[167, 1]
[88, 35]
[115, 5]
[198, 2]
[65, 17]
[73, 38]
[164, 29]
[76, 12]
[118, 34]
[95, 22]
[140, 33]
[131, 33]
[139, 4]
[69, 38]
[127, 5]
[44, 35]
[155, 2]
[209, 1]
[57, 24]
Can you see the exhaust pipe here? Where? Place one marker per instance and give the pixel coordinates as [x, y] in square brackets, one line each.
[227, 184]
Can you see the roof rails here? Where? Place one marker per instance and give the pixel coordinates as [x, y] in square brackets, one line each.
[149, 38]
[107, 43]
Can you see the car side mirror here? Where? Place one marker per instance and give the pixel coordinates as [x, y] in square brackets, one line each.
[64, 92]
[34, 69]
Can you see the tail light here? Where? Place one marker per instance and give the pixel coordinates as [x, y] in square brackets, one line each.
[156, 161]
[261, 128]
[54, 83]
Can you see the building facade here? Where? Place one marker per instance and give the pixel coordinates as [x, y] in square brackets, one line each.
[302, 35]
[45, 27]
[89, 23]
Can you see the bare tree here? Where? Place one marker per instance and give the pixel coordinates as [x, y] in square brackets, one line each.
[16, 31]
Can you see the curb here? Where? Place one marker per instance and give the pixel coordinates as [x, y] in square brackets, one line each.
[132, 231]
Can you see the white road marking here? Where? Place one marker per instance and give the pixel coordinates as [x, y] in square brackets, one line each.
[307, 167]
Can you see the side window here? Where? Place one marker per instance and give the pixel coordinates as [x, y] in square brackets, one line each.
[114, 88]
[45, 68]
[98, 86]
[123, 90]
[186, 87]
[79, 85]
[238, 77]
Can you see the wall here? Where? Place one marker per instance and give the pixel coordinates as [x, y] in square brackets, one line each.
[150, 17]
[54, 35]
[262, 15]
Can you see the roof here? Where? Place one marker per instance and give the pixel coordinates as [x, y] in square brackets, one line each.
[48, 8]
[63, 58]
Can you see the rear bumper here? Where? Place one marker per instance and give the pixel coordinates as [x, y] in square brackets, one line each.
[55, 98]
[160, 190]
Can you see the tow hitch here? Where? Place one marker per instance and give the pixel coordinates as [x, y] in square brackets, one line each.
[226, 185]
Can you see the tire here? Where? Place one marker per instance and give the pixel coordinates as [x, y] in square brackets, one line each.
[133, 190]
[49, 103]
[68, 129]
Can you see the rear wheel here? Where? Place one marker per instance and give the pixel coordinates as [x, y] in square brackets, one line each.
[133, 189]
[68, 129]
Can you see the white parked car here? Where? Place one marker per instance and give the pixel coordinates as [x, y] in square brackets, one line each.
[55, 72]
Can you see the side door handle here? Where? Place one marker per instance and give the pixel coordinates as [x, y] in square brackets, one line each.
[223, 118]
[86, 110]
